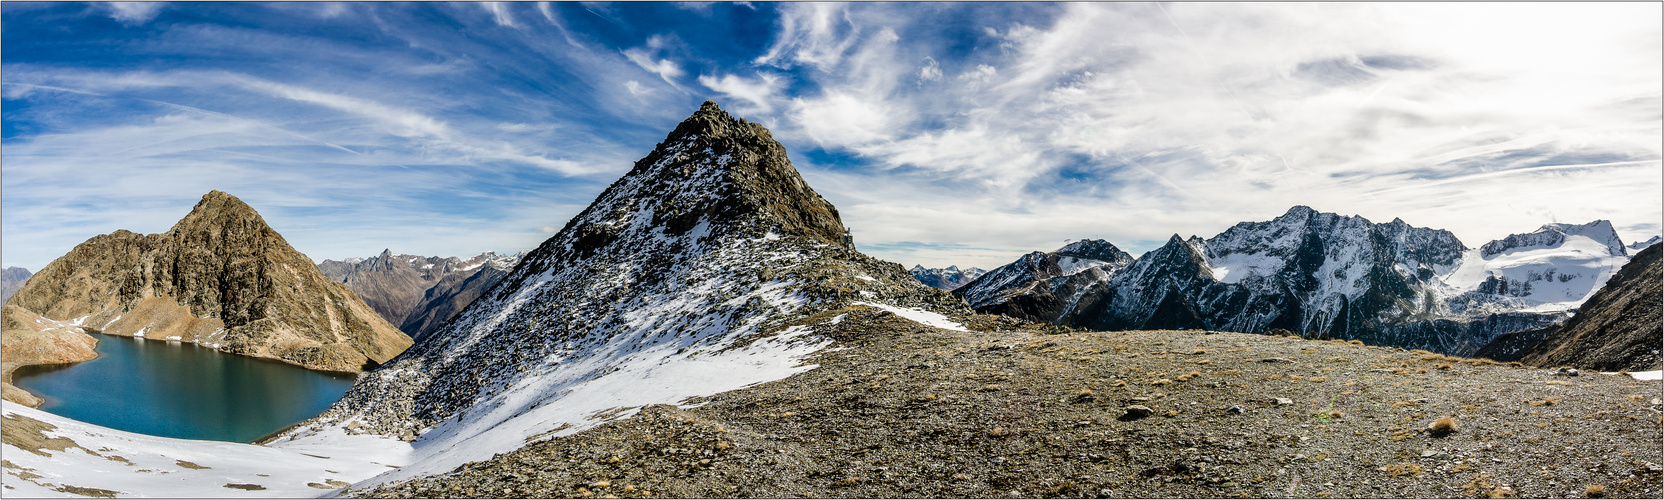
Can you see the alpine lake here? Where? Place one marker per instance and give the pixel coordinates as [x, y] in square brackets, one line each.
[182, 390]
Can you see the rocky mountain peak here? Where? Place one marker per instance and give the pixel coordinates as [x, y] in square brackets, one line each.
[714, 175]
[1555, 233]
[1095, 250]
[219, 219]
[220, 277]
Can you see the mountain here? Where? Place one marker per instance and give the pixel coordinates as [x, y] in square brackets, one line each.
[441, 302]
[220, 278]
[710, 266]
[1552, 269]
[1318, 274]
[1619, 328]
[945, 279]
[10, 280]
[1044, 286]
[406, 289]
[1639, 245]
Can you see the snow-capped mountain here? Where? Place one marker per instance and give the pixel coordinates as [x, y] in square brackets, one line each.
[708, 267]
[1330, 276]
[1642, 245]
[1552, 269]
[946, 279]
[1044, 286]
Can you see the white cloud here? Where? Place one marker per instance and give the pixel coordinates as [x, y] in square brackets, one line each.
[931, 71]
[133, 13]
[758, 93]
[666, 69]
[499, 13]
[815, 34]
[1136, 119]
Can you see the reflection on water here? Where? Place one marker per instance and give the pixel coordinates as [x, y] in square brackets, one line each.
[182, 390]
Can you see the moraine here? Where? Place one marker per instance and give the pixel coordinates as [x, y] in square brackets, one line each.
[182, 390]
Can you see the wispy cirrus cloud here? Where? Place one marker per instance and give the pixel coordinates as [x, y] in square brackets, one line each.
[946, 133]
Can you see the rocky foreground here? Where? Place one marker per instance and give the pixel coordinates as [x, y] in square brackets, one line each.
[896, 409]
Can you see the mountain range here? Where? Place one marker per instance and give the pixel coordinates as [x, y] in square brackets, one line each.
[419, 294]
[947, 278]
[1320, 275]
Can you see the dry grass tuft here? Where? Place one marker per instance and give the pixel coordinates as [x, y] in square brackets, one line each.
[1400, 470]
[1442, 426]
[1594, 491]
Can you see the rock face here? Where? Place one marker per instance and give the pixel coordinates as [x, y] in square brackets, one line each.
[1620, 328]
[441, 302]
[708, 267]
[10, 280]
[419, 293]
[27, 338]
[946, 279]
[220, 278]
[1045, 286]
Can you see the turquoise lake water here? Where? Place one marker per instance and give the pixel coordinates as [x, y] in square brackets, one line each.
[182, 390]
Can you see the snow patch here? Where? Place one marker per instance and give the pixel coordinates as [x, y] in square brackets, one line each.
[920, 316]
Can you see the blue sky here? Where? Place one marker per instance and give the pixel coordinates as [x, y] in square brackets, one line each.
[945, 133]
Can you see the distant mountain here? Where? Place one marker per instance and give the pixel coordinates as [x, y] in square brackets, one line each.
[1044, 286]
[711, 265]
[11, 279]
[1552, 269]
[220, 278]
[1620, 328]
[1637, 246]
[946, 279]
[441, 302]
[418, 293]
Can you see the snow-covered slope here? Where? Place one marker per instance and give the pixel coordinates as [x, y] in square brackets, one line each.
[945, 278]
[1552, 269]
[52, 456]
[1044, 286]
[1639, 245]
[708, 267]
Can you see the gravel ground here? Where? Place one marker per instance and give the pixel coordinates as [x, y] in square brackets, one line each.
[900, 410]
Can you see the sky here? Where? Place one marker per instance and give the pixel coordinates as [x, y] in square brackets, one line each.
[945, 133]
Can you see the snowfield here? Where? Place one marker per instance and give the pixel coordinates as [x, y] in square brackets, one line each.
[136, 465]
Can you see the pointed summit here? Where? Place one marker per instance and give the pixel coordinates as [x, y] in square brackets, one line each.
[715, 172]
[222, 278]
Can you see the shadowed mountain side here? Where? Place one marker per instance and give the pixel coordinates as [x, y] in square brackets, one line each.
[1620, 328]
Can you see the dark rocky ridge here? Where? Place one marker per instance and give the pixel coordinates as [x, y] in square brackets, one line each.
[417, 293]
[222, 278]
[1620, 328]
[1045, 286]
[445, 299]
